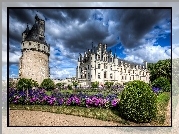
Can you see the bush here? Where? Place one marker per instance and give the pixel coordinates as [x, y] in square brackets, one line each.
[47, 84]
[162, 83]
[109, 84]
[95, 84]
[69, 87]
[24, 84]
[59, 85]
[138, 102]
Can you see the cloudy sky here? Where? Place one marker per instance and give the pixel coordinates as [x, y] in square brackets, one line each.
[136, 34]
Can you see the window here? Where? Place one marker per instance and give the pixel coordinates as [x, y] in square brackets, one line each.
[111, 67]
[98, 75]
[99, 66]
[81, 76]
[85, 75]
[29, 43]
[143, 73]
[91, 58]
[98, 57]
[125, 70]
[88, 67]
[38, 46]
[111, 76]
[133, 71]
[122, 77]
[104, 74]
[125, 77]
[88, 75]
[121, 69]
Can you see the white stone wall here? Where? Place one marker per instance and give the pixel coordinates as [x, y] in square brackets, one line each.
[113, 69]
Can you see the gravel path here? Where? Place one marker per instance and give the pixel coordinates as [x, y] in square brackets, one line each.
[38, 118]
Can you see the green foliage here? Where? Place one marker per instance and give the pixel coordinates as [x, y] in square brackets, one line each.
[24, 84]
[47, 84]
[162, 83]
[34, 83]
[75, 83]
[109, 84]
[59, 85]
[160, 69]
[70, 87]
[138, 102]
[95, 84]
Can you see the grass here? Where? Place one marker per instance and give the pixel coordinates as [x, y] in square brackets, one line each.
[162, 103]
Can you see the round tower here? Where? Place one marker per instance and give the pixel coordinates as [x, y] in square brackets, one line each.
[34, 62]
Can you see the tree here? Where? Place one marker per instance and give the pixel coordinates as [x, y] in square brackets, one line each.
[47, 84]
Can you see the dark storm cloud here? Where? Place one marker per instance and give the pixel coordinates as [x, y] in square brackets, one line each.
[22, 15]
[65, 16]
[81, 39]
[134, 24]
[131, 26]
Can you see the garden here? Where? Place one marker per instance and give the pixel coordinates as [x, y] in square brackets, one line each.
[136, 103]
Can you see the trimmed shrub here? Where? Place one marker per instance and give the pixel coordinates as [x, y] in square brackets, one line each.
[162, 83]
[138, 102]
[24, 84]
[47, 84]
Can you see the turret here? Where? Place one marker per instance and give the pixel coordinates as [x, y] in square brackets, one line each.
[24, 34]
[145, 64]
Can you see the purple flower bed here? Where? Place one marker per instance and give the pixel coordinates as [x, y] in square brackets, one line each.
[39, 97]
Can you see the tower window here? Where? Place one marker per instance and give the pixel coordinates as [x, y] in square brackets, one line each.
[29, 43]
[99, 66]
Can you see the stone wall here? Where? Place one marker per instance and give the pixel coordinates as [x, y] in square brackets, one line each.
[34, 64]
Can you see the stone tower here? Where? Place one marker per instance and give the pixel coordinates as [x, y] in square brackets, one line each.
[34, 62]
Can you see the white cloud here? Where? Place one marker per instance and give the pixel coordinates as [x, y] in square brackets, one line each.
[147, 52]
[14, 57]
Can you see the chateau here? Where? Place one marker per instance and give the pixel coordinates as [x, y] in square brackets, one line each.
[101, 65]
[34, 62]
[97, 64]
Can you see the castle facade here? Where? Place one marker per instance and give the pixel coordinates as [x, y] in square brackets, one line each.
[34, 62]
[101, 65]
